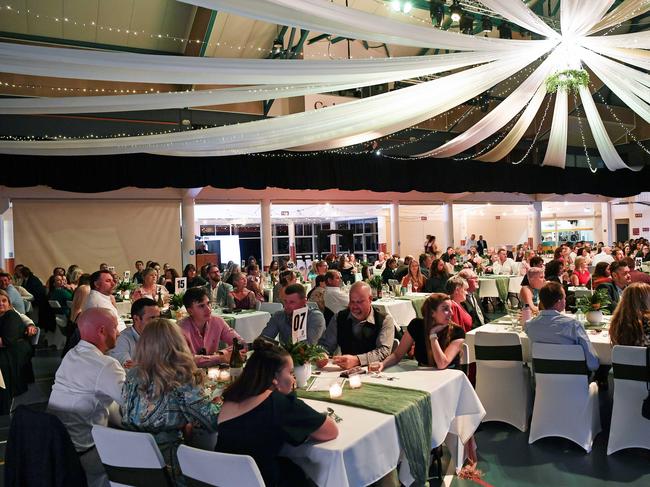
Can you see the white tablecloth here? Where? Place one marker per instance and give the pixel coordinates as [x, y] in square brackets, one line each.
[368, 447]
[123, 307]
[249, 325]
[401, 310]
[599, 339]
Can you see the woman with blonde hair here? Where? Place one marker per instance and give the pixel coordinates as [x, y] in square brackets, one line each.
[163, 393]
[580, 275]
[414, 277]
[630, 324]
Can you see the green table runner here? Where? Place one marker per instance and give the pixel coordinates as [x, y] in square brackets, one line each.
[417, 304]
[502, 282]
[229, 318]
[412, 411]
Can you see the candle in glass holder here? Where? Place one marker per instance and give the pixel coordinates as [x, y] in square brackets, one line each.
[355, 381]
[336, 391]
[213, 373]
[224, 375]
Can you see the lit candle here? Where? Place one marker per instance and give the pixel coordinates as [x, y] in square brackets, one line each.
[224, 376]
[355, 381]
[213, 373]
[336, 391]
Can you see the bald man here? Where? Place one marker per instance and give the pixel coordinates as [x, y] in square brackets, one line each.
[87, 382]
[363, 334]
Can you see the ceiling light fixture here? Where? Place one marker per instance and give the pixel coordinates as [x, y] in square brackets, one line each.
[437, 12]
[456, 11]
[487, 24]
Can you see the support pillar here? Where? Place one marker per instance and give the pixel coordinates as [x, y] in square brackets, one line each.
[4, 206]
[265, 229]
[537, 224]
[333, 238]
[394, 228]
[448, 225]
[607, 223]
[188, 247]
[292, 242]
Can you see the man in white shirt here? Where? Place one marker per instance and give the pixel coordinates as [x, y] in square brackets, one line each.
[470, 242]
[101, 290]
[503, 264]
[142, 311]
[86, 384]
[335, 299]
[605, 255]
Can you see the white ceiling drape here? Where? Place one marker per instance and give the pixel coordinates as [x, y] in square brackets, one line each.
[510, 141]
[624, 12]
[605, 147]
[636, 40]
[636, 57]
[330, 18]
[557, 139]
[519, 13]
[578, 16]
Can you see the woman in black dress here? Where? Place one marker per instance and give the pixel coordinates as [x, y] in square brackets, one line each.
[260, 414]
[15, 354]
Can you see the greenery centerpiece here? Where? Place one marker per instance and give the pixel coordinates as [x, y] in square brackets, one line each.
[125, 285]
[175, 304]
[594, 306]
[569, 79]
[376, 283]
[303, 354]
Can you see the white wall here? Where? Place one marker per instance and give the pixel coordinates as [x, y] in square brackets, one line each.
[506, 230]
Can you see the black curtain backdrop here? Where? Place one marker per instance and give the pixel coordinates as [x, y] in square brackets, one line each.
[322, 171]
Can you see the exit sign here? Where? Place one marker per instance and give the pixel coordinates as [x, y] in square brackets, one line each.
[284, 213]
[638, 215]
[423, 218]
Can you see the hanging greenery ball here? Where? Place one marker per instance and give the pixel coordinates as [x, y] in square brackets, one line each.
[569, 79]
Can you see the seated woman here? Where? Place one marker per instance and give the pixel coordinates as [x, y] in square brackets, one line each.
[60, 293]
[601, 274]
[260, 414]
[529, 294]
[389, 271]
[163, 394]
[274, 271]
[171, 275]
[243, 298]
[15, 354]
[554, 270]
[438, 277]
[584, 252]
[317, 293]
[630, 324]
[287, 277]
[644, 253]
[79, 296]
[254, 281]
[203, 332]
[149, 288]
[580, 276]
[193, 279]
[346, 269]
[414, 277]
[456, 288]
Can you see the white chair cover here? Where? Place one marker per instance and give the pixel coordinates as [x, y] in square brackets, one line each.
[488, 289]
[502, 381]
[219, 469]
[514, 285]
[629, 429]
[271, 307]
[566, 405]
[128, 450]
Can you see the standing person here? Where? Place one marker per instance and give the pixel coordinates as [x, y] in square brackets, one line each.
[260, 414]
[481, 245]
[86, 383]
[470, 242]
[163, 393]
[630, 323]
[430, 246]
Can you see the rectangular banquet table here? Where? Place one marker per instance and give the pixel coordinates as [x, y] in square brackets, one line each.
[249, 324]
[368, 447]
[599, 338]
[402, 311]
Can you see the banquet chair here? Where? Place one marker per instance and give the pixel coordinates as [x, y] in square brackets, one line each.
[130, 458]
[271, 307]
[566, 404]
[488, 289]
[514, 287]
[202, 467]
[628, 428]
[502, 381]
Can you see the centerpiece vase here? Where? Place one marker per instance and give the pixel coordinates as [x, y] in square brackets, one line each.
[594, 317]
[302, 373]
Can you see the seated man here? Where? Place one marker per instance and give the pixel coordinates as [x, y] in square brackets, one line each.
[620, 279]
[142, 311]
[503, 264]
[335, 299]
[363, 334]
[280, 323]
[551, 326]
[101, 292]
[86, 383]
[218, 290]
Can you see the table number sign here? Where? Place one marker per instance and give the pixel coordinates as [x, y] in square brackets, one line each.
[299, 325]
[180, 285]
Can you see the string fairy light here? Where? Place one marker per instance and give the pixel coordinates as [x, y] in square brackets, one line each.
[582, 134]
[534, 141]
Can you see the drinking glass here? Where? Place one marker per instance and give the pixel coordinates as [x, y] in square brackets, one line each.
[373, 368]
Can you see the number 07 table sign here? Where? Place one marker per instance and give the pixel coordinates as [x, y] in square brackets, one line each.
[299, 325]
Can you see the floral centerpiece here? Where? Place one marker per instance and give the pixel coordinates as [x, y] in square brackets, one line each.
[376, 283]
[569, 79]
[176, 303]
[594, 306]
[303, 354]
[125, 287]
